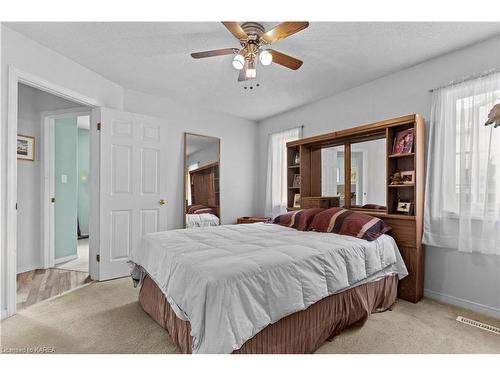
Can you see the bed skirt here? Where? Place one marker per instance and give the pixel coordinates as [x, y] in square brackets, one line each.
[301, 332]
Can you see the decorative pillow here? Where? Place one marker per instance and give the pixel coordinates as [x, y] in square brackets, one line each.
[349, 223]
[300, 219]
[200, 209]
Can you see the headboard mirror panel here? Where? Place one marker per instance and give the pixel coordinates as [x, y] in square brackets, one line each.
[332, 172]
[368, 170]
[201, 181]
[367, 188]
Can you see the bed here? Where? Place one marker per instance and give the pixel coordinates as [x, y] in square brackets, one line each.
[262, 288]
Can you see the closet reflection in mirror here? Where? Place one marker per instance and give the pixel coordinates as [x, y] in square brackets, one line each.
[332, 173]
[368, 165]
[201, 178]
[367, 174]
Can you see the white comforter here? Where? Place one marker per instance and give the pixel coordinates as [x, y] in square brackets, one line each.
[201, 220]
[232, 281]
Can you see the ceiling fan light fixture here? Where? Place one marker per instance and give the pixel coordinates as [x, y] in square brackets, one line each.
[238, 62]
[251, 73]
[265, 57]
[251, 70]
[254, 41]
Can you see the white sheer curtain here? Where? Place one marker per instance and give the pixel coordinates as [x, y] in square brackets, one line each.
[276, 189]
[462, 197]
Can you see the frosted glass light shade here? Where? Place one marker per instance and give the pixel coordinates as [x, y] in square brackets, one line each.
[238, 62]
[251, 73]
[265, 57]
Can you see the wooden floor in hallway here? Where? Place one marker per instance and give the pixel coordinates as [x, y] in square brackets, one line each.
[41, 284]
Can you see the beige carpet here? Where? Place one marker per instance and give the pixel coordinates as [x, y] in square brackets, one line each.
[106, 318]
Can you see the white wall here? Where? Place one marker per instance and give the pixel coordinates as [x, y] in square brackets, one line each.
[29, 207]
[237, 159]
[469, 279]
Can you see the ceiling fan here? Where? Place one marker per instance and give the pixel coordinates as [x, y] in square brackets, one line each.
[254, 41]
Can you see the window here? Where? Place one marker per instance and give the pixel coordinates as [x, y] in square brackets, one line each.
[276, 187]
[462, 196]
[476, 164]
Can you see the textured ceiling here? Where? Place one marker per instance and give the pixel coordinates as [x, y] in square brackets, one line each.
[196, 143]
[154, 58]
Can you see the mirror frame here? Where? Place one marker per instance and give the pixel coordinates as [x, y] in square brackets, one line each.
[185, 172]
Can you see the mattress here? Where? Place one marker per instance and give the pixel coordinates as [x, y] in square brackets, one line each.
[232, 281]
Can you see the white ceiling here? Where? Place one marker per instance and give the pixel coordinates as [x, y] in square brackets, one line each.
[196, 143]
[154, 58]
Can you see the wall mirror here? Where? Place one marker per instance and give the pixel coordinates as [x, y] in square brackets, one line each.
[201, 180]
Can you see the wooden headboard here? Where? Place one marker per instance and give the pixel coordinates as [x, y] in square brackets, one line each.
[406, 229]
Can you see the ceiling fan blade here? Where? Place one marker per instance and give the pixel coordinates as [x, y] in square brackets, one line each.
[243, 73]
[282, 31]
[236, 30]
[285, 60]
[215, 52]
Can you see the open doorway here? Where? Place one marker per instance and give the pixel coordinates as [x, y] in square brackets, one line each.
[71, 193]
[52, 196]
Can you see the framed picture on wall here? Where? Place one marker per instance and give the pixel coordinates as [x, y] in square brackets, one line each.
[403, 142]
[25, 147]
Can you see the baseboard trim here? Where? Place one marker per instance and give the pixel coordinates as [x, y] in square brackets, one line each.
[65, 259]
[4, 314]
[31, 267]
[460, 302]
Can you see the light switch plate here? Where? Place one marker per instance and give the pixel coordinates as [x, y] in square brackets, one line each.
[64, 179]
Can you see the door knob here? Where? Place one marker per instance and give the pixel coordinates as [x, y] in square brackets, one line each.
[162, 202]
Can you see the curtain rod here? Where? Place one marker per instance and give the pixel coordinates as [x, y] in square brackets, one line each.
[467, 78]
[284, 130]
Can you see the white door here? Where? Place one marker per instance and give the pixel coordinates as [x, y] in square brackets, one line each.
[132, 186]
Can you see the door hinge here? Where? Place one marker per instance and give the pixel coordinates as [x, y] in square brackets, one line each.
[98, 126]
[53, 200]
[98, 257]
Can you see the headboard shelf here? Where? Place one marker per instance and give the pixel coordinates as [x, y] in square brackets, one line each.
[403, 181]
[408, 155]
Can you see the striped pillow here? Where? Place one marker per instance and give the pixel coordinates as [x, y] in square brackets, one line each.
[349, 223]
[300, 219]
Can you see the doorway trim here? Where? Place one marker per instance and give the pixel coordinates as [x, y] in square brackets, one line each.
[48, 177]
[17, 76]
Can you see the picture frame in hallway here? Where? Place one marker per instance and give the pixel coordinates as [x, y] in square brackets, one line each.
[25, 147]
